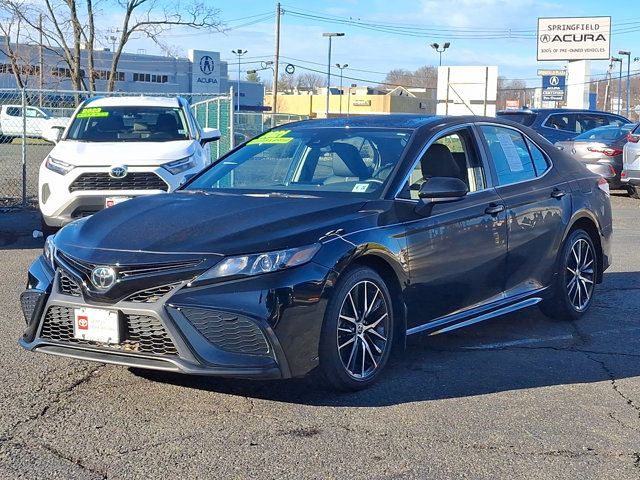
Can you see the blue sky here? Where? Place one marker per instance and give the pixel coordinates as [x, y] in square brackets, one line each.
[371, 52]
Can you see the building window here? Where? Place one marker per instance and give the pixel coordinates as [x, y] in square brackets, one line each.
[150, 78]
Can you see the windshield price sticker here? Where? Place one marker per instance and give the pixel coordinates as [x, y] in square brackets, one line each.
[360, 187]
[92, 112]
[277, 137]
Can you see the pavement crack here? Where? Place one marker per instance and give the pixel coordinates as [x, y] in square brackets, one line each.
[76, 461]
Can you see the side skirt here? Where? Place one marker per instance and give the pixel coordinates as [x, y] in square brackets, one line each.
[466, 318]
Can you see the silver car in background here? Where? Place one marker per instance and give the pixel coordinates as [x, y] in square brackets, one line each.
[631, 162]
[600, 150]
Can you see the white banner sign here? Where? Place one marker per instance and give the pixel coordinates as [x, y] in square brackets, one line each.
[580, 38]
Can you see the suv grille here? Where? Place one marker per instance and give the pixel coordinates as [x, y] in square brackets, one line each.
[143, 334]
[133, 181]
[233, 333]
[66, 285]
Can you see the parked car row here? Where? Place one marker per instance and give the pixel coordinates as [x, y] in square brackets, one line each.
[32, 121]
[320, 245]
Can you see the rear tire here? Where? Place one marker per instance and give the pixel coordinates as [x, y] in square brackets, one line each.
[575, 279]
[357, 333]
[633, 191]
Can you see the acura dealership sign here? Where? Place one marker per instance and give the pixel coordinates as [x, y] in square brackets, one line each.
[580, 38]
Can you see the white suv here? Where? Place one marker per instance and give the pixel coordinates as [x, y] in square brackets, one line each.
[118, 148]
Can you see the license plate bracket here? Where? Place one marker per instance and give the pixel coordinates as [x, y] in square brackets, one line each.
[96, 325]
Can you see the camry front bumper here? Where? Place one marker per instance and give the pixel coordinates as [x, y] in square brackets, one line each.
[261, 327]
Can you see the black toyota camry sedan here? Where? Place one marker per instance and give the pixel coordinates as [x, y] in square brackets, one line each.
[322, 245]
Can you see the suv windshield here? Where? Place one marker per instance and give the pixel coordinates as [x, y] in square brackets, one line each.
[523, 118]
[351, 160]
[610, 132]
[129, 124]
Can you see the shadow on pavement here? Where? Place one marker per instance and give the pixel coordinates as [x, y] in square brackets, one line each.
[522, 350]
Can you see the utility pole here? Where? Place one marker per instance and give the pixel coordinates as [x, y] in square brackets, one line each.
[628, 55]
[276, 62]
[607, 89]
[619, 60]
[239, 52]
[40, 60]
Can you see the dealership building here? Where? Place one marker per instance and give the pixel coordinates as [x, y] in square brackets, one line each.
[201, 72]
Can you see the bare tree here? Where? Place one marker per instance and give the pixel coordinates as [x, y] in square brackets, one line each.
[424, 77]
[12, 25]
[151, 18]
[310, 80]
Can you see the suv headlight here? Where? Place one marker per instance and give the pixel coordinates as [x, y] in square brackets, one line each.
[49, 251]
[179, 166]
[57, 166]
[258, 263]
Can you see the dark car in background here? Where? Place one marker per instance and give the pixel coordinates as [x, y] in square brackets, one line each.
[557, 124]
[600, 150]
[323, 243]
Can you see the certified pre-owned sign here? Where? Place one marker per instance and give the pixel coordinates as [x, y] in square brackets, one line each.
[581, 38]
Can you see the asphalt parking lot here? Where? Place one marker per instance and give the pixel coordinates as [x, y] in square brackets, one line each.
[517, 397]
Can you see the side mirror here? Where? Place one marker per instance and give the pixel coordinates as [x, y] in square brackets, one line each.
[438, 190]
[210, 135]
[53, 133]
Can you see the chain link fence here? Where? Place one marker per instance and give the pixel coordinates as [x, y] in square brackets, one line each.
[26, 115]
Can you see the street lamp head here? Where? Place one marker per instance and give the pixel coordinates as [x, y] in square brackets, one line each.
[624, 52]
[333, 34]
[615, 59]
[239, 51]
[446, 45]
[251, 72]
[435, 46]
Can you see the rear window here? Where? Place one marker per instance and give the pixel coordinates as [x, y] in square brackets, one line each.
[522, 118]
[609, 132]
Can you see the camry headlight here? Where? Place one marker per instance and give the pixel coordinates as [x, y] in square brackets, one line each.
[258, 263]
[49, 251]
[179, 166]
[58, 166]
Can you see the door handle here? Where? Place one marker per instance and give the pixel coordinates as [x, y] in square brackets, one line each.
[494, 209]
[557, 193]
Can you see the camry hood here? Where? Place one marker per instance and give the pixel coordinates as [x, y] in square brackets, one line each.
[208, 224]
[87, 154]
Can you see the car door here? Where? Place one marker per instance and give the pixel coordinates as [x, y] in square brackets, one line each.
[457, 254]
[35, 119]
[538, 202]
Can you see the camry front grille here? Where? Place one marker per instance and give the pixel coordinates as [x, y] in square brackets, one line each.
[233, 333]
[133, 181]
[142, 333]
[66, 285]
[151, 295]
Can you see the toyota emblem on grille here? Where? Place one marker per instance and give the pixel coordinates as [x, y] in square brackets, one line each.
[119, 171]
[103, 277]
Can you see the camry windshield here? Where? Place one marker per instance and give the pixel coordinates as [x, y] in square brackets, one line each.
[609, 132]
[350, 160]
[128, 124]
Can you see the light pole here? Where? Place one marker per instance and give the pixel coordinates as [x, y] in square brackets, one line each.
[619, 60]
[330, 36]
[341, 67]
[436, 47]
[628, 54]
[353, 85]
[239, 52]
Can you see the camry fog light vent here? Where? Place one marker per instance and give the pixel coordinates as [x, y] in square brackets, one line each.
[151, 295]
[226, 331]
[29, 303]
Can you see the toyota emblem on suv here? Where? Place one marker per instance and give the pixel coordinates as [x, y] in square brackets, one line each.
[119, 171]
[103, 277]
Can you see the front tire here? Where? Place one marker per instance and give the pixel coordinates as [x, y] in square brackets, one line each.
[633, 191]
[357, 333]
[575, 281]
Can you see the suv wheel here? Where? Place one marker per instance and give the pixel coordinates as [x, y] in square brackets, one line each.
[357, 333]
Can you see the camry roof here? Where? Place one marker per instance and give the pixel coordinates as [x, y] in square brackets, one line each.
[133, 101]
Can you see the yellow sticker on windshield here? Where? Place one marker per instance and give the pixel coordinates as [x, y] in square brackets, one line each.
[275, 137]
[92, 112]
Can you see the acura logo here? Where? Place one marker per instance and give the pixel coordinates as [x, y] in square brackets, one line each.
[206, 65]
[103, 277]
[119, 171]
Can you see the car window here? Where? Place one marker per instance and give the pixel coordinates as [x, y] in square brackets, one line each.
[32, 113]
[609, 120]
[14, 111]
[586, 122]
[510, 154]
[351, 161]
[129, 124]
[523, 118]
[540, 161]
[561, 121]
[452, 155]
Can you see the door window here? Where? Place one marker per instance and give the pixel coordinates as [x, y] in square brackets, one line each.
[539, 158]
[452, 155]
[561, 121]
[510, 154]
